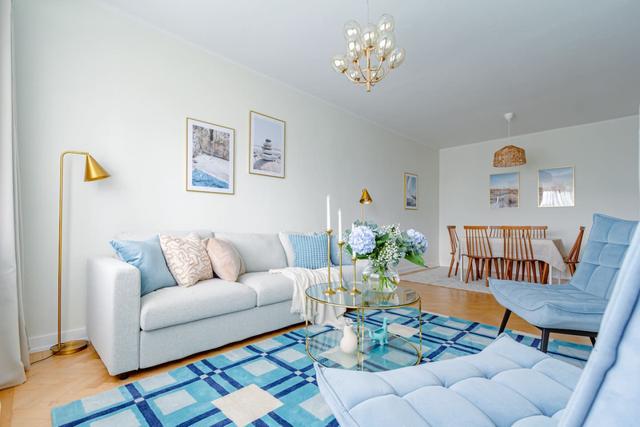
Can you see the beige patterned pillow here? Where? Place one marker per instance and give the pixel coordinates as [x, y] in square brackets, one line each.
[225, 259]
[187, 259]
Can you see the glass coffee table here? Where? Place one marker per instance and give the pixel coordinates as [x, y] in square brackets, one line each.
[323, 342]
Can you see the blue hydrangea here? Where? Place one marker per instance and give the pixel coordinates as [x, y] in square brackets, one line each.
[362, 240]
[418, 241]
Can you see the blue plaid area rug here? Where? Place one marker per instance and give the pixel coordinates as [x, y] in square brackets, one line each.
[271, 382]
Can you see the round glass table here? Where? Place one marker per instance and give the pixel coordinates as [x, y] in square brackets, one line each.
[368, 311]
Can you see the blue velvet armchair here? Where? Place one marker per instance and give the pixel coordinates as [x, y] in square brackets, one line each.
[577, 307]
[508, 383]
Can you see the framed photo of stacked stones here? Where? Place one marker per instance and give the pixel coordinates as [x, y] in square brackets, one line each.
[266, 145]
[210, 157]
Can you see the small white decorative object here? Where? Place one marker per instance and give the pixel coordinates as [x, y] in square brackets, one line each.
[349, 341]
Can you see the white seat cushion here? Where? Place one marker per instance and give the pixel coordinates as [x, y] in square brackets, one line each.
[260, 252]
[209, 298]
[270, 288]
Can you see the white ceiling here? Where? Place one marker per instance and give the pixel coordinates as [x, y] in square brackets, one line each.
[555, 63]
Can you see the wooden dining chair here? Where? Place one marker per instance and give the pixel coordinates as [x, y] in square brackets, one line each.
[453, 239]
[519, 260]
[495, 231]
[539, 231]
[479, 253]
[573, 258]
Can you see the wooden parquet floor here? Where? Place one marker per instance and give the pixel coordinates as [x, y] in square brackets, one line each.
[58, 380]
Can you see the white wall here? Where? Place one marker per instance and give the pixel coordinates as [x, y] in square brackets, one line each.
[90, 78]
[605, 157]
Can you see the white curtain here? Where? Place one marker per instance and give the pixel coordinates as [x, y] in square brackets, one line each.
[14, 354]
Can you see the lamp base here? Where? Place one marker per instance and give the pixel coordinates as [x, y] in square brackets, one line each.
[69, 347]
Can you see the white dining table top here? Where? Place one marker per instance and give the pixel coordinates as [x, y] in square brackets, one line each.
[547, 250]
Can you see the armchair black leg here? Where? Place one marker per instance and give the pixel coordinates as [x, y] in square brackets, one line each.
[545, 340]
[123, 376]
[505, 319]
[593, 340]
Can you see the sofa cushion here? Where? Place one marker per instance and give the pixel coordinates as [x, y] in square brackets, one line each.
[209, 298]
[269, 287]
[505, 384]
[260, 252]
[225, 259]
[551, 306]
[147, 257]
[310, 250]
[187, 259]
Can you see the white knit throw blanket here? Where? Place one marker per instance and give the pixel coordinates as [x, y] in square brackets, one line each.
[302, 279]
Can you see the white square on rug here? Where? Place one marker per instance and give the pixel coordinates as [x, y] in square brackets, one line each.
[246, 405]
[260, 367]
[175, 401]
[402, 330]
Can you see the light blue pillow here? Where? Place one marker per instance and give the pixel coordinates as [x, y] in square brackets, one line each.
[147, 256]
[335, 253]
[310, 250]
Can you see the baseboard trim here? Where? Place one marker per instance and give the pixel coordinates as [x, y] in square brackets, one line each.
[44, 342]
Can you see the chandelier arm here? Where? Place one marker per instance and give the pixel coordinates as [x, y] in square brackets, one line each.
[359, 70]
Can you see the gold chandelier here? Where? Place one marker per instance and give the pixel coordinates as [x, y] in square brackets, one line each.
[371, 53]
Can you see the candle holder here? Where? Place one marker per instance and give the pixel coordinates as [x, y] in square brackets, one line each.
[341, 288]
[354, 288]
[329, 290]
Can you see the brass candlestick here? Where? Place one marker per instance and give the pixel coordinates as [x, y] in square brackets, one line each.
[354, 289]
[329, 290]
[341, 288]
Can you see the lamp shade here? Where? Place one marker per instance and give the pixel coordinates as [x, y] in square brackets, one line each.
[365, 198]
[92, 170]
[509, 156]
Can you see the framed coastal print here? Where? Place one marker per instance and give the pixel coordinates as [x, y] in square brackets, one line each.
[210, 157]
[556, 188]
[267, 145]
[504, 190]
[410, 191]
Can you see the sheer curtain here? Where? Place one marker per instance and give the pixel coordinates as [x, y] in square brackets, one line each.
[14, 355]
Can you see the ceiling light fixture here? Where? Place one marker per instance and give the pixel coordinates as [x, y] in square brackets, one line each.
[510, 155]
[371, 52]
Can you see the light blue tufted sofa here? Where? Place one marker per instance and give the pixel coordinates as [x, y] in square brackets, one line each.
[577, 307]
[508, 384]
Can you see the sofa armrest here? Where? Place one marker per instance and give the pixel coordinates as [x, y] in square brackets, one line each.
[113, 313]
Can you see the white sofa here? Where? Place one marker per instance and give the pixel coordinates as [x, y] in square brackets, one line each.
[130, 332]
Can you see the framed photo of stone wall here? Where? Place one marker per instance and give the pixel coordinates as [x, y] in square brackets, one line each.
[267, 145]
[210, 157]
[504, 190]
[556, 188]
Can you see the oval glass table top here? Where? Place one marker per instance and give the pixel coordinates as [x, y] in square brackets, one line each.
[400, 297]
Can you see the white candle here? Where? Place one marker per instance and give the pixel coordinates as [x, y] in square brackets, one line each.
[353, 227]
[328, 212]
[339, 225]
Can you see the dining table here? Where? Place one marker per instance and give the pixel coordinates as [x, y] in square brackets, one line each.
[548, 250]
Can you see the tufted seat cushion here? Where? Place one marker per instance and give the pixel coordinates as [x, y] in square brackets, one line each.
[551, 306]
[506, 384]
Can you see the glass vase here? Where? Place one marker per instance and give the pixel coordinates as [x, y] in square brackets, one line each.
[381, 279]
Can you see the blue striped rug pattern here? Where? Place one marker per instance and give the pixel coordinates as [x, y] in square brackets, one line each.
[271, 382]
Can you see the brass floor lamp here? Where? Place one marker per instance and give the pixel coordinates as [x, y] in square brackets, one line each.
[92, 172]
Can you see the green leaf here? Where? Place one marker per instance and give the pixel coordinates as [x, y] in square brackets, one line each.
[415, 259]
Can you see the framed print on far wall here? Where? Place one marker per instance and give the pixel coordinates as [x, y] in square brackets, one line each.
[410, 191]
[556, 188]
[267, 145]
[210, 157]
[504, 190]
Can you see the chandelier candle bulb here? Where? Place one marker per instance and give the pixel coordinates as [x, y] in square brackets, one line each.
[328, 212]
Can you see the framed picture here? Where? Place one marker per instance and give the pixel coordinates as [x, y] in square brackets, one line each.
[504, 190]
[556, 188]
[267, 145]
[410, 191]
[210, 157]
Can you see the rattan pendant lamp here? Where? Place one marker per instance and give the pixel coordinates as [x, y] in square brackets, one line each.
[509, 155]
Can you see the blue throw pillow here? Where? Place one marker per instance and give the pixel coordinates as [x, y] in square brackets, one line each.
[335, 253]
[310, 250]
[147, 256]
